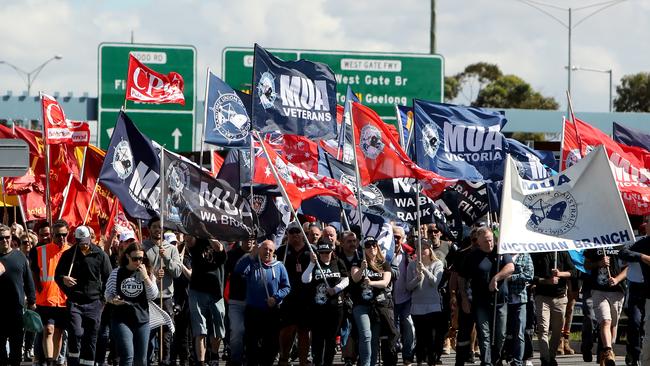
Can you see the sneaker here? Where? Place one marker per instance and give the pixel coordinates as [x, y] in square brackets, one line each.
[608, 358]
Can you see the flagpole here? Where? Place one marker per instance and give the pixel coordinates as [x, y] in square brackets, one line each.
[573, 120]
[48, 208]
[162, 189]
[400, 126]
[65, 196]
[345, 216]
[417, 215]
[205, 115]
[357, 175]
[83, 165]
[5, 212]
[92, 200]
[288, 202]
[22, 210]
[251, 170]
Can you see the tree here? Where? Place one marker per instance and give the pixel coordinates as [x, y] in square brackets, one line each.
[493, 89]
[633, 93]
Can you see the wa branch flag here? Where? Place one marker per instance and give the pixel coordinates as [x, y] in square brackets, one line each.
[579, 208]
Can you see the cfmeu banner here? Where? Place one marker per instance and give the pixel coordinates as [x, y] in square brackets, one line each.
[577, 209]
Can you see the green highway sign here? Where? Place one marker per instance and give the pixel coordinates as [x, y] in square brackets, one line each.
[380, 80]
[171, 125]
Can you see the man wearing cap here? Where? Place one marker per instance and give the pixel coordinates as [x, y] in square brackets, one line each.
[15, 284]
[166, 263]
[81, 274]
[294, 315]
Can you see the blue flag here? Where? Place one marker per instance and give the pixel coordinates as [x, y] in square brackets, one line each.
[345, 142]
[529, 161]
[295, 97]
[227, 120]
[131, 170]
[405, 118]
[631, 137]
[459, 142]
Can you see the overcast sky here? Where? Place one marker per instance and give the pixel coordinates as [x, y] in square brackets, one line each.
[518, 38]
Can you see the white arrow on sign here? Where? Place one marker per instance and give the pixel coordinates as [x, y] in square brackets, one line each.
[176, 134]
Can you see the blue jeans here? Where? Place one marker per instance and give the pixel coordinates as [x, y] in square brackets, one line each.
[368, 335]
[635, 313]
[516, 328]
[236, 315]
[404, 324]
[484, 315]
[131, 343]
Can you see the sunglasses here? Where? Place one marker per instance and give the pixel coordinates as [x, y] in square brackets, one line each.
[294, 231]
[137, 259]
[25, 242]
[5, 237]
[370, 244]
[435, 231]
[61, 235]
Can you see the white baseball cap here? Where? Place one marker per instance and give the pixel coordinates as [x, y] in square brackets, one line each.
[82, 234]
[170, 237]
[127, 235]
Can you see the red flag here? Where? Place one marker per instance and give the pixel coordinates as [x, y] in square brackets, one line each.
[297, 150]
[299, 184]
[147, 86]
[216, 163]
[117, 220]
[58, 129]
[628, 163]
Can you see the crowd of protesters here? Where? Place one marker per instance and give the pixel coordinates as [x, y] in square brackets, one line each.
[316, 296]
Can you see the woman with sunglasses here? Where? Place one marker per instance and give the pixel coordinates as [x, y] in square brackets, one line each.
[373, 307]
[129, 288]
[27, 242]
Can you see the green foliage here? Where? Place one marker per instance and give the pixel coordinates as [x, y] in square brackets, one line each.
[494, 89]
[528, 136]
[633, 93]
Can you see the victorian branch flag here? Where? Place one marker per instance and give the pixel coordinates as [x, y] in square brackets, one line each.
[579, 208]
[147, 86]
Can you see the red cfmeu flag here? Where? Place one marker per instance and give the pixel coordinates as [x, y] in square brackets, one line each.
[60, 130]
[299, 183]
[629, 164]
[147, 86]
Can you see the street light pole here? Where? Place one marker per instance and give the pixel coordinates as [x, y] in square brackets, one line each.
[31, 76]
[602, 71]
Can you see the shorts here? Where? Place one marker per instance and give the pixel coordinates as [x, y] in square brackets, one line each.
[53, 316]
[607, 305]
[295, 313]
[207, 314]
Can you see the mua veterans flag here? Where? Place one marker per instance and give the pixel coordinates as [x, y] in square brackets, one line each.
[579, 208]
[459, 142]
[295, 97]
[199, 204]
[227, 121]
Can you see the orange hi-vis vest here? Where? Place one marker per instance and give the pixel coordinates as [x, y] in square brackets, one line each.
[48, 258]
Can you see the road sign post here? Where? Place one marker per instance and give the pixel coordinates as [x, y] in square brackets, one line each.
[171, 125]
[380, 80]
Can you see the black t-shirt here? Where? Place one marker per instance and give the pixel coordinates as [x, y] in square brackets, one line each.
[643, 247]
[366, 295]
[334, 272]
[130, 286]
[296, 263]
[600, 276]
[479, 267]
[207, 269]
[237, 283]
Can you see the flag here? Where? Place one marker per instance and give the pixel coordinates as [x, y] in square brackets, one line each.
[117, 220]
[294, 97]
[298, 183]
[459, 142]
[60, 130]
[529, 161]
[470, 198]
[297, 150]
[227, 120]
[405, 119]
[630, 137]
[377, 227]
[198, 204]
[147, 86]
[628, 162]
[579, 208]
[216, 162]
[131, 170]
[379, 155]
[345, 141]
[399, 196]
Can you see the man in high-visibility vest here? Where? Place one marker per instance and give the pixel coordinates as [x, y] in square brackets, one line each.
[50, 300]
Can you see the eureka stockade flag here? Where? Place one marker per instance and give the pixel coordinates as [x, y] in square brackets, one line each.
[295, 97]
[579, 208]
[459, 142]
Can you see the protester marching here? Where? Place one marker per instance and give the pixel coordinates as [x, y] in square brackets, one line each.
[324, 236]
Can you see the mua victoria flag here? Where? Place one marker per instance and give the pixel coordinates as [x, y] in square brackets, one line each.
[197, 203]
[579, 208]
[147, 86]
[131, 170]
[60, 130]
[294, 97]
[628, 163]
[227, 121]
[459, 142]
